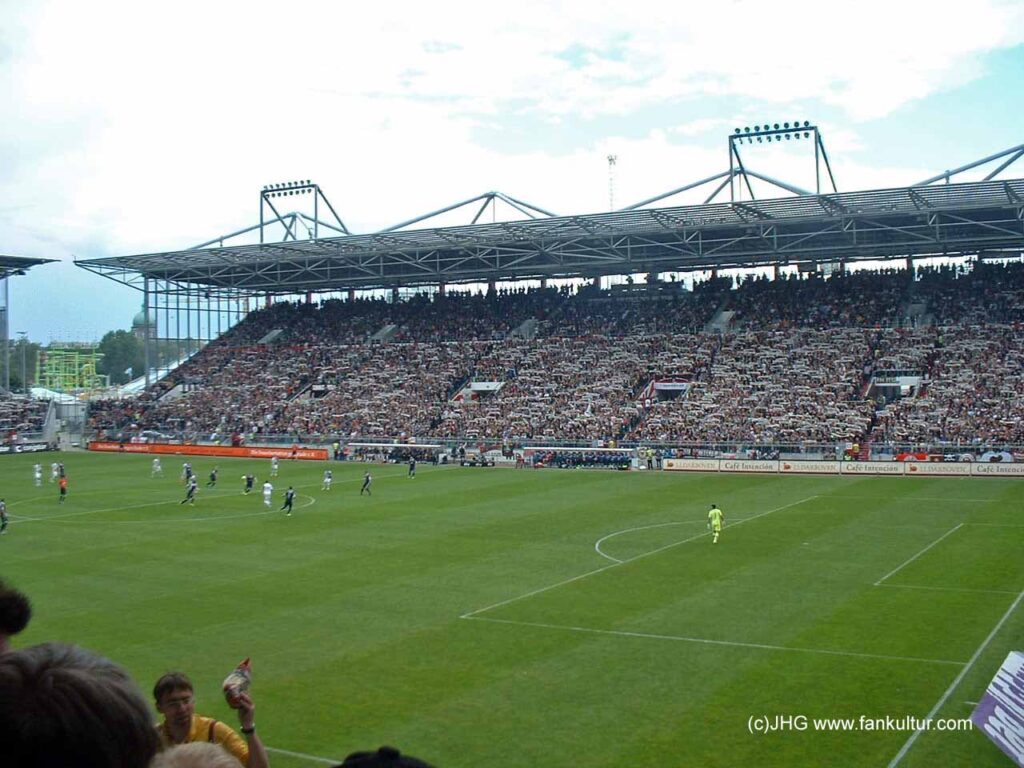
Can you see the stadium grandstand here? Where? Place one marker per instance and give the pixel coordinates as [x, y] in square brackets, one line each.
[22, 418]
[865, 323]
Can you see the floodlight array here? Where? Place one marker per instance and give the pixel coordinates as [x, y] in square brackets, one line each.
[773, 132]
[289, 188]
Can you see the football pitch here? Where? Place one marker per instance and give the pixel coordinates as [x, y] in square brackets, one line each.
[512, 618]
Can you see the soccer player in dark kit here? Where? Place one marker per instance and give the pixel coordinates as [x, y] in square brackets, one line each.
[289, 499]
[190, 491]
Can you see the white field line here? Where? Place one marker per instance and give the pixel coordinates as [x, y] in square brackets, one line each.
[707, 641]
[949, 499]
[303, 756]
[904, 564]
[629, 560]
[23, 519]
[953, 686]
[949, 589]
[597, 545]
[151, 521]
[164, 503]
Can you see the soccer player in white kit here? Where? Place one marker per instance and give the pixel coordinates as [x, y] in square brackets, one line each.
[37, 474]
[328, 479]
[273, 467]
[268, 491]
[54, 472]
[157, 469]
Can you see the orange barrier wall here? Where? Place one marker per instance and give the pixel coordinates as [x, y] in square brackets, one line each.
[312, 454]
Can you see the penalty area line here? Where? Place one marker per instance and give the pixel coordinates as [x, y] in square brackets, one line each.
[949, 589]
[562, 583]
[908, 561]
[953, 686]
[709, 641]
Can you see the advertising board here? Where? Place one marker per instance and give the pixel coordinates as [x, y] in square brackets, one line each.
[691, 465]
[809, 467]
[308, 454]
[872, 468]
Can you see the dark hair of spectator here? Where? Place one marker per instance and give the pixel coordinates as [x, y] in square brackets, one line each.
[385, 757]
[172, 681]
[61, 705]
[15, 610]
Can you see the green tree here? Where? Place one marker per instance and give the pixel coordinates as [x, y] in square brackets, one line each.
[30, 350]
[121, 351]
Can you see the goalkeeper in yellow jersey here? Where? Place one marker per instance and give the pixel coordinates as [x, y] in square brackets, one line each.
[715, 518]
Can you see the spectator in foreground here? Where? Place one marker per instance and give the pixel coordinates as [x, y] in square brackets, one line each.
[175, 700]
[15, 613]
[199, 754]
[385, 757]
[63, 705]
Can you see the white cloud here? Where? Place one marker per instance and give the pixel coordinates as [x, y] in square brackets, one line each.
[140, 128]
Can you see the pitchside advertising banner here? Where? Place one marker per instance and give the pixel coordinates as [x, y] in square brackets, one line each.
[691, 465]
[314, 454]
[740, 465]
[938, 468]
[1000, 713]
[810, 467]
[998, 470]
[891, 468]
[871, 468]
[24, 448]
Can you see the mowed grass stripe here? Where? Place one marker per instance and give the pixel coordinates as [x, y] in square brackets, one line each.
[977, 557]
[577, 578]
[728, 643]
[765, 584]
[350, 608]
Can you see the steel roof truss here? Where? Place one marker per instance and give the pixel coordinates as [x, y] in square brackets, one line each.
[918, 200]
[984, 225]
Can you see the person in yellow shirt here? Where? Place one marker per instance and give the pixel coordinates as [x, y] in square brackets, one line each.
[175, 700]
[715, 518]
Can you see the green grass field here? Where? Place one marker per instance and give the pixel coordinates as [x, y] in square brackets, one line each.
[469, 617]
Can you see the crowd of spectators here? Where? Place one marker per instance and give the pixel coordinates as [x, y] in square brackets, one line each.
[794, 366]
[573, 387]
[20, 415]
[332, 321]
[771, 387]
[985, 293]
[646, 312]
[972, 393]
[845, 300]
[474, 317]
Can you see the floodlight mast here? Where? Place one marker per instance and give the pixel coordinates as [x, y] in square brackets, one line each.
[612, 160]
[290, 221]
[766, 134]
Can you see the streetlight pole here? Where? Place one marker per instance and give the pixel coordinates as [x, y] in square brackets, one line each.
[24, 381]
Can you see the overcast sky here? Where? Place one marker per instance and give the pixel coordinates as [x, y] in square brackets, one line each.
[134, 128]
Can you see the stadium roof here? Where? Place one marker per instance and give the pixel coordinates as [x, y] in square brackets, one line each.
[949, 219]
[18, 265]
